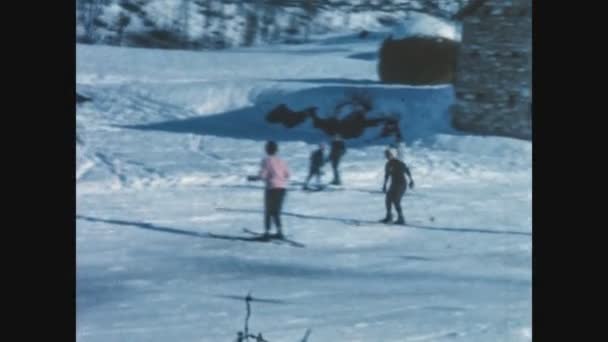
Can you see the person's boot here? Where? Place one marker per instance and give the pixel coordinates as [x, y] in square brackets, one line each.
[387, 219]
[279, 234]
[400, 220]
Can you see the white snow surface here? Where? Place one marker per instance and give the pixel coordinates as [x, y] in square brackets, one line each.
[162, 154]
[420, 24]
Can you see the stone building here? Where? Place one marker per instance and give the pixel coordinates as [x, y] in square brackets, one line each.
[493, 74]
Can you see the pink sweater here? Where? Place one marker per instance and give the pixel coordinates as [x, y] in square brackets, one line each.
[275, 172]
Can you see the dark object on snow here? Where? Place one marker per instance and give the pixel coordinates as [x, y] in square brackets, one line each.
[82, 99]
[363, 34]
[418, 60]
[352, 126]
[328, 125]
[289, 118]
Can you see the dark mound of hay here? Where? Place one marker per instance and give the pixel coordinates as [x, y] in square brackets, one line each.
[418, 60]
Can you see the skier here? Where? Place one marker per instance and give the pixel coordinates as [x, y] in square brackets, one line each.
[275, 173]
[338, 149]
[316, 162]
[395, 170]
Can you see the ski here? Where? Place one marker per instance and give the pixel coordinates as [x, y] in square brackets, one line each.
[315, 188]
[367, 222]
[274, 239]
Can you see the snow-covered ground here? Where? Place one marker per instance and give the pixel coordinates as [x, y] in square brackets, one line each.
[162, 154]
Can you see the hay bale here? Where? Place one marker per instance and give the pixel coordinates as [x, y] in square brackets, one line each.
[418, 60]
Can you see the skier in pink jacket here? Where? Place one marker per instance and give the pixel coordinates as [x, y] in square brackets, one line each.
[275, 173]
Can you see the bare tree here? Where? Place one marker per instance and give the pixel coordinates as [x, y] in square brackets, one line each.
[438, 8]
[261, 17]
[310, 10]
[121, 24]
[268, 20]
[205, 9]
[220, 38]
[251, 25]
[91, 11]
[208, 14]
[183, 20]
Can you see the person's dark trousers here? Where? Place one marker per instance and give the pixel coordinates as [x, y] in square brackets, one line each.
[273, 202]
[335, 163]
[393, 198]
[311, 173]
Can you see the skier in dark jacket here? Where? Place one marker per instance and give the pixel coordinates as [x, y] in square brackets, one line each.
[396, 170]
[316, 162]
[338, 149]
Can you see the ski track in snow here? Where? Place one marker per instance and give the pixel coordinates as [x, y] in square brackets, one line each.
[169, 138]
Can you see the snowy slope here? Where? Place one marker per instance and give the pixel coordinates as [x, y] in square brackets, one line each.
[162, 154]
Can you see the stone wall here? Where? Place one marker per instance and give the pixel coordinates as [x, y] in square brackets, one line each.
[493, 77]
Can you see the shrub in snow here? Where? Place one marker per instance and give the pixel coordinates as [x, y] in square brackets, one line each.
[349, 117]
[289, 118]
[157, 38]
